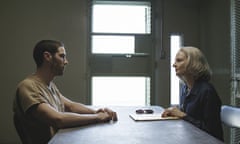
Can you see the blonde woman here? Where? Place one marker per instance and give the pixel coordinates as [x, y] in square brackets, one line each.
[199, 101]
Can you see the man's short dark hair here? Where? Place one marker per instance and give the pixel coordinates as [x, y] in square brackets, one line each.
[42, 46]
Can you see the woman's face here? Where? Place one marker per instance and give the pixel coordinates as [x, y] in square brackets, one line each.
[180, 64]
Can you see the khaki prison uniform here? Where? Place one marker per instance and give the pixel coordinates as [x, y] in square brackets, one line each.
[31, 92]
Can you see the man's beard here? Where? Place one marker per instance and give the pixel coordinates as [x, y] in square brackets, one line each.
[57, 70]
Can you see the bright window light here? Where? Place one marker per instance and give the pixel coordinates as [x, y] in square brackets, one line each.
[115, 23]
[121, 91]
[175, 44]
[113, 44]
[121, 17]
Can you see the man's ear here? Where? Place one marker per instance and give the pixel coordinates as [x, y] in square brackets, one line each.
[47, 56]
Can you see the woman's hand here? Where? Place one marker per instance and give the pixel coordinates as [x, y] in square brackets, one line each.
[173, 111]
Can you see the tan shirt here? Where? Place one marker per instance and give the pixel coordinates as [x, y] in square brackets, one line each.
[31, 92]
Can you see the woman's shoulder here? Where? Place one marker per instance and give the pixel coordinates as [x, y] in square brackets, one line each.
[204, 86]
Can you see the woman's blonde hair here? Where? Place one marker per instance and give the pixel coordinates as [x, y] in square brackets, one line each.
[197, 64]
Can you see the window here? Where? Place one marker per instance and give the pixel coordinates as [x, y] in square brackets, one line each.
[123, 91]
[112, 44]
[115, 23]
[121, 17]
[175, 44]
[120, 53]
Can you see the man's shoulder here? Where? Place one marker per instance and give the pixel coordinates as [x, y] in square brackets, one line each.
[30, 80]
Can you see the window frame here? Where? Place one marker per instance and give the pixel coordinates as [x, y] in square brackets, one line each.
[137, 53]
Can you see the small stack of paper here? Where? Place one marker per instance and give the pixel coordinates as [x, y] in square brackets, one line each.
[150, 117]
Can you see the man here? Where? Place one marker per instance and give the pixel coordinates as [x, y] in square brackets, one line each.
[39, 106]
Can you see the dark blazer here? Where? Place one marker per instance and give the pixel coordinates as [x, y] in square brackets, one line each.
[202, 106]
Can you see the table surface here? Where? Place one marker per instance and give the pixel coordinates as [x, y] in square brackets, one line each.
[128, 131]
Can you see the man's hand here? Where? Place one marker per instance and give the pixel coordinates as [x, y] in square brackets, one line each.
[112, 114]
[103, 117]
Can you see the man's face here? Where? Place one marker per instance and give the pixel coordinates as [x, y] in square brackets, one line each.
[180, 64]
[59, 61]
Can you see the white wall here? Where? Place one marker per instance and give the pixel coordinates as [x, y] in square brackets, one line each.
[23, 23]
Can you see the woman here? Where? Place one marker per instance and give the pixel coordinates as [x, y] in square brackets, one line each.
[199, 101]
